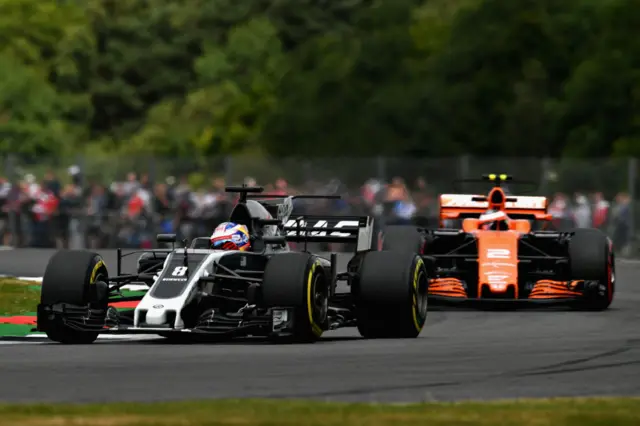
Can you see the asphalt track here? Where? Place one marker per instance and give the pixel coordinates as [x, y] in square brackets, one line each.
[460, 355]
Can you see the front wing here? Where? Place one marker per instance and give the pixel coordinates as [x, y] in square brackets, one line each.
[275, 322]
[452, 291]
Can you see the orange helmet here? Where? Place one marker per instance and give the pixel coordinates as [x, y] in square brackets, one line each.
[494, 220]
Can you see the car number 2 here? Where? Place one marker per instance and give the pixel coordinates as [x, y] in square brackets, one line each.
[498, 254]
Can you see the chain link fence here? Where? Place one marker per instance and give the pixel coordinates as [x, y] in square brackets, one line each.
[107, 202]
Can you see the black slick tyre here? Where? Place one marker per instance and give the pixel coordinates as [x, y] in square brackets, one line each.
[402, 238]
[391, 295]
[591, 258]
[298, 281]
[77, 279]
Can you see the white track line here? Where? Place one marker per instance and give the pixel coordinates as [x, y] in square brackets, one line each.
[41, 339]
[104, 337]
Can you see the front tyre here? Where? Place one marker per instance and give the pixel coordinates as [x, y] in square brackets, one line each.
[74, 297]
[297, 281]
[592, 258]
[391, 295]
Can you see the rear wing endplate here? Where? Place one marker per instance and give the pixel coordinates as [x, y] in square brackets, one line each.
[336, 229]
[457, 206]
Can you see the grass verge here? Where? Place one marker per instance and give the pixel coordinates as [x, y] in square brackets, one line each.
[18, 297]
[556, 412]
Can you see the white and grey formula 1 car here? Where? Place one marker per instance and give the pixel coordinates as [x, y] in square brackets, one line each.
[269, 291]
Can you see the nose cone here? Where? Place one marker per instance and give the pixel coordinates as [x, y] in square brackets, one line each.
[157, 315]
[497, 262]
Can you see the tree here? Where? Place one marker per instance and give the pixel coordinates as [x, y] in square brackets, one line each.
[346, 92]
[600, 110]
[497, 78]
[31, 112]
[235, 91]
[301, 77]
[38, 41]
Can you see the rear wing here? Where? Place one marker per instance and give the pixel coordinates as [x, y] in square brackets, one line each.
[336, 229]
[461, 206]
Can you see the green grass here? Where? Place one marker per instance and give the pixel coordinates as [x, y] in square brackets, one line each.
[18, 297]
[21, 297]
[556, 412]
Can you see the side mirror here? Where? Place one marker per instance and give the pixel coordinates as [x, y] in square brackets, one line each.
[166, 238]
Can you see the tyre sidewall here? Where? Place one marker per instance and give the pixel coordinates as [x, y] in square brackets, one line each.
[397, 304]
[77, 278]
[292, 281]
[315, 277]
[96, 284]
[591, 257]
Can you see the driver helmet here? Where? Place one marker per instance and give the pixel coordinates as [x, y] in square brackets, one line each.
[493, 220]
[230, 236]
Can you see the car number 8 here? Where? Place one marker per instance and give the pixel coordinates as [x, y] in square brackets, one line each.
[179, 271]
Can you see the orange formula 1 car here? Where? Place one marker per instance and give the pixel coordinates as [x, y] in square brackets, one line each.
[496, 257]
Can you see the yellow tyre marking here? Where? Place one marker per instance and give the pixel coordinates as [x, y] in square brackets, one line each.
[92, 279]
[416, 274]
[317, 330]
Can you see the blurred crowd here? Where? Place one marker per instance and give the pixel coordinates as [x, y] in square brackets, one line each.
[129, 213]
[594, 210]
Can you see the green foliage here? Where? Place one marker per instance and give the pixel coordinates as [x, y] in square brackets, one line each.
[200, 78]
[30, 111]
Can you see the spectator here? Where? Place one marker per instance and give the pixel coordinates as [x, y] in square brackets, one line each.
[70, 203]
[51, 183]
[129, 213]
[424, 204]
[162, 208]
[76, 175]
[96, 206]
[281, 187]
[560, 210]
[399, 206]
[600, 211]
[131, 185]
[582, 212]
[5, 226]
[622, 222]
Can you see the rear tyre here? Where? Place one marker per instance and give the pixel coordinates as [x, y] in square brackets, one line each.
[298, 281]
[77, 280]
[391, 295]
[591, 258]
[402, 238]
